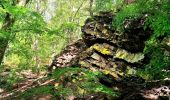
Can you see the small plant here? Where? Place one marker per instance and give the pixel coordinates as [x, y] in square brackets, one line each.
[42, 90]
[104, 5]
[80, 82]
[157, 18]
[75, 81]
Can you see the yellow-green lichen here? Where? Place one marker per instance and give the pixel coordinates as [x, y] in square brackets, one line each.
[129, 57]
[115, 74]
[84, 64]
[104, 49]
[130, 71]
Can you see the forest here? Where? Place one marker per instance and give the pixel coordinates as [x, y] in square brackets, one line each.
[84, 49]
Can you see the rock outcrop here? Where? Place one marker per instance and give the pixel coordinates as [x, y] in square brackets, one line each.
[115, 54]
[103, 48]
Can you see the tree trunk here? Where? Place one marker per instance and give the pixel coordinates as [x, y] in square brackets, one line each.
[4, 40]
[90, 8]
[36, 51]
[129, 1]
[6, 27]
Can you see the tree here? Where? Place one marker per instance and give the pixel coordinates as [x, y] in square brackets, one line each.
[90, 7]
[7, 23]
[22, 22]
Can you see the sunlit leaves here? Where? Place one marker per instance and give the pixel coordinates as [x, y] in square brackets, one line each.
[2, 10]
[15, 10]
[104, 5]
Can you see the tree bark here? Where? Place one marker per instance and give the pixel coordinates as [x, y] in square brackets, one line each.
[90, 8]
[129, 1]
[4, 40]
[6, 27]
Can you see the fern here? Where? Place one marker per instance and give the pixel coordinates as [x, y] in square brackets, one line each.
[158, 20]
[80, 79]
[59, 72]
[42, 90]
[158, 15]
[159, 62]
[104, 5]
[63, 91]
[127, 12]
[98, 88]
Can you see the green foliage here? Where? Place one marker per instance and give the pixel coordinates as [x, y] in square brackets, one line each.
[159, 63]
[63, 91]
[127, 12]
[15, 10]
[8, 78]
[73, 70]
[31, 22]
[30, 26]
[82, 80]
[4, 34]
[42, 90]
[157, 18]
[4, 83]
[57, 73]
[157, 15]
[104, 5]
[93, 87]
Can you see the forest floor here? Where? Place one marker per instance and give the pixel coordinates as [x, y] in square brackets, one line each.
[33, 80]
[30, 81]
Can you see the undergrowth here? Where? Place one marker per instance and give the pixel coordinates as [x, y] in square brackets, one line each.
[78, 82]
[157, 17]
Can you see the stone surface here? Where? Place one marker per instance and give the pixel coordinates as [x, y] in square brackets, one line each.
[104, 49]
[115, 54]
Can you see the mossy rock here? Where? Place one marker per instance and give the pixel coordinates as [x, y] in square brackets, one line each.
[110, 51]
[100, 57]
[129, 57]
[104, 49]
[100, 30]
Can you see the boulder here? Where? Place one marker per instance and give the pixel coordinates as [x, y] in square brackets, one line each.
[117, 55]
[104, 49]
